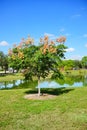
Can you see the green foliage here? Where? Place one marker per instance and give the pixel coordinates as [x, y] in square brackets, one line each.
[68, 64]
[77, 64]
[61, 50]
[1, 58]
[42, 64]
[84, 62]
[14, 63]
[66, 68]
[57, 75]
[38, 60]
[28, 74]
[3, 61]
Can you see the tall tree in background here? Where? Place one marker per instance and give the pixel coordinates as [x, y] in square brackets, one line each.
[3, 61]
[84, 62]
[77, 64]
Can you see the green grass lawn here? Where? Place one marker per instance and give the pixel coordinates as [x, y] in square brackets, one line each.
[68, 111]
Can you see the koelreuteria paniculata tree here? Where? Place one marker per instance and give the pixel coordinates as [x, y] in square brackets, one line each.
[38, 60]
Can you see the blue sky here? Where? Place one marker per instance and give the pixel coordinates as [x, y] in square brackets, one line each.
[20, 18]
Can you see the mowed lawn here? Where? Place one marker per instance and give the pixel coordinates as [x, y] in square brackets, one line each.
[67, 111]
[9, 77]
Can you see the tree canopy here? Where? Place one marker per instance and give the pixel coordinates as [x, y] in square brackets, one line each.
[38, 60]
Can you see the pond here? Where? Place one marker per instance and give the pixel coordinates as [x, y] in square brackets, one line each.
[72, 81]
[69, 81]
[10, 84]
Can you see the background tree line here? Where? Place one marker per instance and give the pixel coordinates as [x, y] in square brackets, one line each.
[6, 63]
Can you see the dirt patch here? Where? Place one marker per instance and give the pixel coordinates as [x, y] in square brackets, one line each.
[41, 97]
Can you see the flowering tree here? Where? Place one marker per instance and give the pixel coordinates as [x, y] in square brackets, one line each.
[40, 60]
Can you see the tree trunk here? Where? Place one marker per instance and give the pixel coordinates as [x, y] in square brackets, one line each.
[13, 70]
[38, 86]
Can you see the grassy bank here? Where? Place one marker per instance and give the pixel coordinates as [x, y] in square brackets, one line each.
[16, 76]
[68, 111]
[75, 72]
[10, 77]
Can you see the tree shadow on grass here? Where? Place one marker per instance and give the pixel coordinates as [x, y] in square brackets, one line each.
[51, 91]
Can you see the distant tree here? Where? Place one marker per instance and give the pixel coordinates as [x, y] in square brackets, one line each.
[68, 64]
[3, 61]
[77, 64]
[67, 68]
[84, 62]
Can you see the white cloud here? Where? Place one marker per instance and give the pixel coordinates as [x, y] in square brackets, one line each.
[52, 36]
[85, 35]
[85, 45]
[76, 57]
[4, 43]
[83, 8]
[76, 16]
[70, 49]
[62, 30]
[67, 34]
[49, 34]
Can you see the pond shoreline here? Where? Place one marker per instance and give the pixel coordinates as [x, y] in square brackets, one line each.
[66, 82]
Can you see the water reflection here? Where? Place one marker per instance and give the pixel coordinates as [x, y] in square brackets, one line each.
[10, 84]
[71, 81]
[53, 84]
